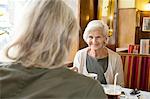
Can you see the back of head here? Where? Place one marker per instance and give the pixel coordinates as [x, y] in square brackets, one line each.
[47, 32]
[94, 25]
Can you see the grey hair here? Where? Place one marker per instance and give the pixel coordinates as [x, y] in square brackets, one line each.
[95, 25]
[48, 29]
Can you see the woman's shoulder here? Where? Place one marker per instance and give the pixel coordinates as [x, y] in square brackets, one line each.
[4, 63]
[113, 53]
[85, 85]
[78, 83]
[77, 77]
[84, 50]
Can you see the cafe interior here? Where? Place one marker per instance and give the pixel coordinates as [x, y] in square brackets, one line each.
[129, 33]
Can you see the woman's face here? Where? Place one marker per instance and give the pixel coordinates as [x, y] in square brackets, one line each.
[96, 39]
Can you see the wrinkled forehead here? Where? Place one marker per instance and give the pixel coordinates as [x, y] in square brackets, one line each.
[96, 31]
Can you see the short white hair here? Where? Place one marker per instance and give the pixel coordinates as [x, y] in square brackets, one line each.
[95, 25]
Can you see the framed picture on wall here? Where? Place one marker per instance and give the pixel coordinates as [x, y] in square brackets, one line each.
[146, 24]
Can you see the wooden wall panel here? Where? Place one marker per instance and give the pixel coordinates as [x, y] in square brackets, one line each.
[88, 12]
[127, 25]
[139, 34]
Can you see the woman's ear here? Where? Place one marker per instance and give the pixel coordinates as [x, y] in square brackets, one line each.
[106, 40]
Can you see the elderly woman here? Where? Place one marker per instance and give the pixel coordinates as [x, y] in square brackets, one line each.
[38, 70]
[97, 58]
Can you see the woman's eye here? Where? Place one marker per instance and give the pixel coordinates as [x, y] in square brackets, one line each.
[99, 37]
[90, 37]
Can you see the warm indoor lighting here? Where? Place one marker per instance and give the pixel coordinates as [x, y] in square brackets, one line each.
[110, 32]
[147, 6]
[111, 17]
[87, 18]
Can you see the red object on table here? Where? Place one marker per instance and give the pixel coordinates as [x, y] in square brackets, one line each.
[134, 49]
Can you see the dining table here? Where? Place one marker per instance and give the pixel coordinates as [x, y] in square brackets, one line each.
[140, 95]
[125, 93]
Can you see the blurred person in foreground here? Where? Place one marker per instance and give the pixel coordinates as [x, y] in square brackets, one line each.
[38, 70]
[97, 58]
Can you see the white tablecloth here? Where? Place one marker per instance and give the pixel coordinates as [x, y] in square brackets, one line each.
[142, 94]
[127, 91]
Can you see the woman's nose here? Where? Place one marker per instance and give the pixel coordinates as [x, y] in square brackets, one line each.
[94, 40]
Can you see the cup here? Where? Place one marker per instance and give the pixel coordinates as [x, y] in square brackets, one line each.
[92, 75]
[112, 92]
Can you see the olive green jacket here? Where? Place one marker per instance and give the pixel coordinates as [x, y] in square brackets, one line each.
[18, 82]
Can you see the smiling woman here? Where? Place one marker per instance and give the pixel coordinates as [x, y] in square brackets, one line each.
[97, 58]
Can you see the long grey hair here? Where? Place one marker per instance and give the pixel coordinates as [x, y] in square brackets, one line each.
[47, 32]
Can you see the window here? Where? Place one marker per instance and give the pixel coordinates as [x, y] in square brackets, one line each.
[9, 10]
